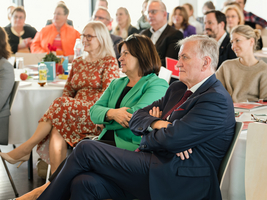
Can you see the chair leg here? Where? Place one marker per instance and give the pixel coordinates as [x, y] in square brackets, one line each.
[10, 178]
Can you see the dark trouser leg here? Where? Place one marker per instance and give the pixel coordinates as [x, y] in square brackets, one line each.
[92, 186]
[129, 170]
[63, 162]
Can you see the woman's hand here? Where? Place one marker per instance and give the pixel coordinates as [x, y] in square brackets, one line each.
[120, 115]
[100, 127]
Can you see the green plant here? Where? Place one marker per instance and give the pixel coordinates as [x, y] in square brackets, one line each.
[51, 57]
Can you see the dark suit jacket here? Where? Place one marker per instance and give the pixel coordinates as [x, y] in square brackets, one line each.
[205, 123]
[167, 43]
[225, 51]
[116, 40]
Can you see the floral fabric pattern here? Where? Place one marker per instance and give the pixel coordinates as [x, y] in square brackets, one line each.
[70, 114]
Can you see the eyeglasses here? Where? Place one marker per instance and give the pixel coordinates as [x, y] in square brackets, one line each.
[152, 12]
[231, 16]
[258, 119]
[100, 18]
[18, 17]
[58, 14]
[88, 37]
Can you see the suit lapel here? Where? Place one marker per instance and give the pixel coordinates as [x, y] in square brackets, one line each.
[117, 92]
[163, 34]
[137, 87]
[224, 44]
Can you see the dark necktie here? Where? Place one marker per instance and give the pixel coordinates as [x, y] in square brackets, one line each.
[186, 95]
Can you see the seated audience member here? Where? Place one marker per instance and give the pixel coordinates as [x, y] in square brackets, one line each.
[235, 17]
[192, 20]
[162, 35]
[204, 123]
[58, 34]
[67, 120]
[102, 14]
[124, 27]
[245, 78]
[250, 17]
[179, 20]
[50, 21]
[215, 27]
[207, 6]
[6, 81]
[142, 22]
[140, 62]
[20, 36]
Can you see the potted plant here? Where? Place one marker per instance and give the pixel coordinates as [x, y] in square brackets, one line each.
[51, 57]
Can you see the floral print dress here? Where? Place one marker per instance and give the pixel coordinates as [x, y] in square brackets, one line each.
[69, 114]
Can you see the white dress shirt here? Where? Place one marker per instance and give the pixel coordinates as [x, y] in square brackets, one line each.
[156, 34]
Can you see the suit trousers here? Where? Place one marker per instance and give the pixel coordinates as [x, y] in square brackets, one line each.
[95, 170]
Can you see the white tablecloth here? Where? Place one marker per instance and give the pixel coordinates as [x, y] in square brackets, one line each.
[29, 106]
[234, 182]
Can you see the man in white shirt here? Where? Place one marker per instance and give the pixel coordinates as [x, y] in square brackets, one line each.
[215, 27]
[190, 11]
[162, 35]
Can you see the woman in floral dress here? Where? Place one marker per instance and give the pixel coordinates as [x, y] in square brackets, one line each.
[68, 119]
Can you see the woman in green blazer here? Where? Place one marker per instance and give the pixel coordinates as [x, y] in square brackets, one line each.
[140, 62]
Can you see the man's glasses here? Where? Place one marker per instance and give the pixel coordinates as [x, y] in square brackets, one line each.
[88, 37]
[152, 12]
[100, 18]
[18, 17]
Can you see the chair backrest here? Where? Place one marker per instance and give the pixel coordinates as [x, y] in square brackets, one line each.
[256, 162]
[31, 58]
[227, 158]
[13, 94]
[165, 74]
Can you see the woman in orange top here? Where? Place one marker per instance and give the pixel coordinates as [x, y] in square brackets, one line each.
[58, 34]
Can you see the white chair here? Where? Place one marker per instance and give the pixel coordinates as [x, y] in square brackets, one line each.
[227, 158]
[256, 162]
[165, 74]
[31, 58]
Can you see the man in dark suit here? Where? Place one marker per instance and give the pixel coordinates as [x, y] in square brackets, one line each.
[215, 27]
[204, 123]
[102, 14]
[162, 35]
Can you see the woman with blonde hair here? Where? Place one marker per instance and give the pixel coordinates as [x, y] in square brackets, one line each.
[245, 77]
[234, 17]
[124, 27]
[179, 20]
[67, 120]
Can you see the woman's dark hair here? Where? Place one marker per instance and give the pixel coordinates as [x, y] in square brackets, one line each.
[19, 9]
[141, 47]
[183, 12]
[5, 49]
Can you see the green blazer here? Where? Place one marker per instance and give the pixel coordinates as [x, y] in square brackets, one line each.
[147, 90]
